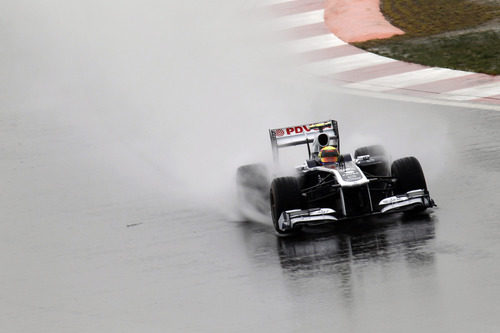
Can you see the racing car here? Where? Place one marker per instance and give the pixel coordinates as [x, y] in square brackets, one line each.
[354, 187]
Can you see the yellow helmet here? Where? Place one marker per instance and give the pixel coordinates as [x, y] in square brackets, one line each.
[328, 155]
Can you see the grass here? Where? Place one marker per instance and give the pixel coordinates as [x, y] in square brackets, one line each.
[442, 33]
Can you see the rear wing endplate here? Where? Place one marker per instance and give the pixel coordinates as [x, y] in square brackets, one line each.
[302, 134]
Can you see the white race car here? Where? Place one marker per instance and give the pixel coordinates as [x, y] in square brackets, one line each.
[354, 187]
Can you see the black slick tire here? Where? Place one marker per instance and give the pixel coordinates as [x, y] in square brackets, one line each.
[409, 175]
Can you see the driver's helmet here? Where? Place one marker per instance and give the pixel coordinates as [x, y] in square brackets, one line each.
[328, 156]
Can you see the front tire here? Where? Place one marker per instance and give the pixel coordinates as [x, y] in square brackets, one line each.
[409, 175]
[285, 195]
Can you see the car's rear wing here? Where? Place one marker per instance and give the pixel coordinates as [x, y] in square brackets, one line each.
[303, 134]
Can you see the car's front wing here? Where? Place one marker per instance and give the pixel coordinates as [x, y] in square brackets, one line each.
[412, 200]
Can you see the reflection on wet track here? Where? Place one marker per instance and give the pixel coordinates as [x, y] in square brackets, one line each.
[318, 251]
[344, 251]
[319, 254]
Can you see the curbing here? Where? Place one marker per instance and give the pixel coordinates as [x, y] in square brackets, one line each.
[356, 71]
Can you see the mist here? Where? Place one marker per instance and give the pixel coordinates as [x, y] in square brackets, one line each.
[165, 97]
[122, 126]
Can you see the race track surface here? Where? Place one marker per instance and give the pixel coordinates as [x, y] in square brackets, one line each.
[122, 126]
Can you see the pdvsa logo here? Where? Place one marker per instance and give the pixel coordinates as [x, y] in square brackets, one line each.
[293, 130]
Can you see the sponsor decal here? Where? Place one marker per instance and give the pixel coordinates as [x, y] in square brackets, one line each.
[293, 130]
[298, 129]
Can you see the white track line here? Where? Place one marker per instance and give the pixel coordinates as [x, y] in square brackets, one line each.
[297, 20]
[402, 80]
[273, 2]
[414, 99]
[347, 63]
[314, 43]
[471, 93]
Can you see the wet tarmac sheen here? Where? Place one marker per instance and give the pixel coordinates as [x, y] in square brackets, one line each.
[108, 223]
[82, 257]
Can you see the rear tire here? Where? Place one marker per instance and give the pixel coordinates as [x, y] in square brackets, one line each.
[375, 150]
[379, 153]
[252, 185]
[409, 175]
[285, 195]
[253, 176]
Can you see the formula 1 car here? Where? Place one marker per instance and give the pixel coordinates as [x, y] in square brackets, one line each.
[353, 188]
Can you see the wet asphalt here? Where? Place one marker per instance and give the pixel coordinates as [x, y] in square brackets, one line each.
[120, 134]
[85, 252]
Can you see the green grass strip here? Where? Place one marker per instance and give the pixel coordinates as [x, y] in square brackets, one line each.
[430, 17]
[422, 20]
